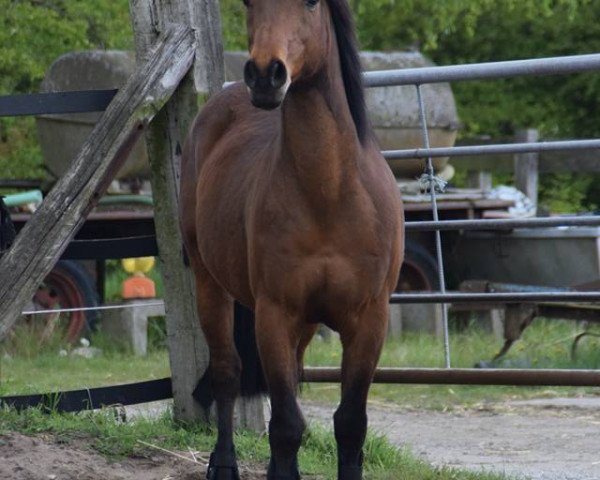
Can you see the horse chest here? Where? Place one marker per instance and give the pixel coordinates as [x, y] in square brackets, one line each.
[305, 263]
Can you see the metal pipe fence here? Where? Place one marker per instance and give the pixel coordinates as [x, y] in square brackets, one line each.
[418, 77]
[495, 298]
[466, 376]
[505, 223]
[500, 149]
[484, 71]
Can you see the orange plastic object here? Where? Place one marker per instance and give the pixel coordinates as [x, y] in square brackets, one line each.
[138, 286]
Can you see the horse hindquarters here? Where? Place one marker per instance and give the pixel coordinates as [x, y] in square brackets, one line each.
[362, 342]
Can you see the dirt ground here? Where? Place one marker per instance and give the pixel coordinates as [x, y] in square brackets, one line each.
[45, 457]
[557, 439]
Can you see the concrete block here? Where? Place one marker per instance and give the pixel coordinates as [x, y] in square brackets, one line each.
[130, 324]
[425, 317]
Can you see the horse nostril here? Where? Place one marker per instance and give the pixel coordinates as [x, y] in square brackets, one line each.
[250, 74]
[277, 74]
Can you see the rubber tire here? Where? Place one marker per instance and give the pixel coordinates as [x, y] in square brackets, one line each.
[86, 287]
[421, 266]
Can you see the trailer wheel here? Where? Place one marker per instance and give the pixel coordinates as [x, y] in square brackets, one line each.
[419, 271]
[68, 285]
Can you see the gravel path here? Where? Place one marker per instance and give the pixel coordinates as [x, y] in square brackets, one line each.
[555, 439]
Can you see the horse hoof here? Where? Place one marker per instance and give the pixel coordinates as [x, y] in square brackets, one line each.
[350, 472]
[274, 473]
[222, 467]
[222, 473]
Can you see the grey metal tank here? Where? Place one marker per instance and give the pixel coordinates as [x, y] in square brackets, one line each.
[61, 136]
[393, 110]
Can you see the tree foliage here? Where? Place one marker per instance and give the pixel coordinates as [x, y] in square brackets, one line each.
[33, 33]
[469, 31]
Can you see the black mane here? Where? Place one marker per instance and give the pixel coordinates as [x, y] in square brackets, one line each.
[343, 25]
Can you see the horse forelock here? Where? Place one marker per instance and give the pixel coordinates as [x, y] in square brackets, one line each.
[343, 24]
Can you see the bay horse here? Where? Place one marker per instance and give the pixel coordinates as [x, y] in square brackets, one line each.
[288, 207]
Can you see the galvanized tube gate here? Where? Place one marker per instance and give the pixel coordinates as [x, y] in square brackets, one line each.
[447, 375]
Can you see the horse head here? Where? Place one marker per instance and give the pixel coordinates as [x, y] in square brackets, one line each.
[288, 41]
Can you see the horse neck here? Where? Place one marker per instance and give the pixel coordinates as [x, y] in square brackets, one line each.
[319, 135]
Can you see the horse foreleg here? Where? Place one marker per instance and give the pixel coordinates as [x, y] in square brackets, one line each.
[216, 318]
[362, 340]
[278, 338]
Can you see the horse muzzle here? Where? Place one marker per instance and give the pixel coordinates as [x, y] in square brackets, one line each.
[267, 86]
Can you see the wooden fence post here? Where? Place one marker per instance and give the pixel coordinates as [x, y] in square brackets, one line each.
[187, 348]
[526, 165]
[479, 179]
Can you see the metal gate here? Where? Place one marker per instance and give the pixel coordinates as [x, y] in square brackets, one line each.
[482, 71]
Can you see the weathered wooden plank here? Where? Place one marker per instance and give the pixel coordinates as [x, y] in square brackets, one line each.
[48, 232]
[188, 353]
[149, 18]
[479, 179]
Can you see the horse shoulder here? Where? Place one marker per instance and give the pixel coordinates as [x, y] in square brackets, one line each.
[211, 124]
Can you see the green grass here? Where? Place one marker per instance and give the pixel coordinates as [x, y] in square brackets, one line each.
[545, 344]
[35, 369]
[116, 439]
[26, 366]
[31, 368]
[49, 372]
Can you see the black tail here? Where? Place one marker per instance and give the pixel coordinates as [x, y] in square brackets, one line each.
[253, 381]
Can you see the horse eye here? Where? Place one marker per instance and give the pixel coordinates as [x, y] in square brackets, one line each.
[311, 4]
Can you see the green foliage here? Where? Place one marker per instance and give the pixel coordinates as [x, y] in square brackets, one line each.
[34, 33]
[467, 31]
[20, 154]
[233, 18]
[568, 192]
